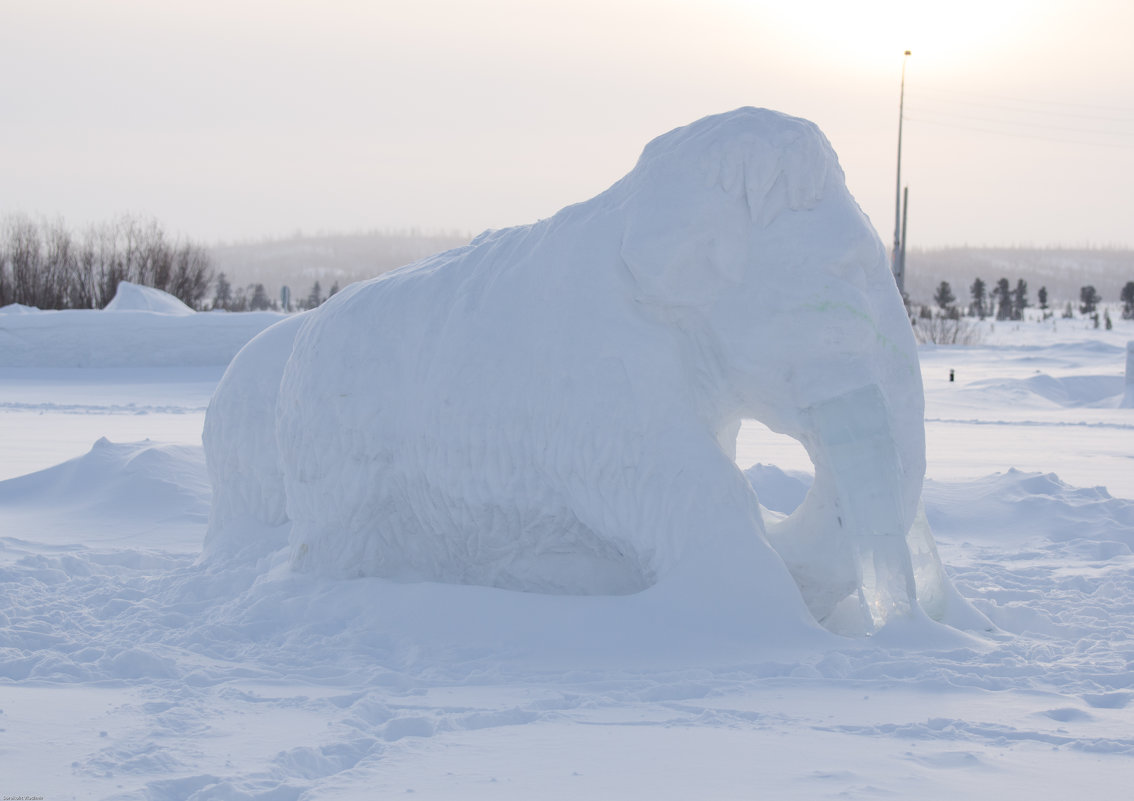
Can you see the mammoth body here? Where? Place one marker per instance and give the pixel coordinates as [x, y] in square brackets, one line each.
[553, 408]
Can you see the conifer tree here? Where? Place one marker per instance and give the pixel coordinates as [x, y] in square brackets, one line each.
[259, 300]
[944, 296]
[222, 298]
[1019, 299]
[1127, 298]
[1003, 300]
[315, 296]
[1088, 299]
[979, 293]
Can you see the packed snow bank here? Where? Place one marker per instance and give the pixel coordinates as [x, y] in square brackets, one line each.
[1128, 397]
[127, 338]
[554, 407]
[135, 297]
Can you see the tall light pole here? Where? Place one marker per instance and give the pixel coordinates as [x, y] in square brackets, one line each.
[896, 260]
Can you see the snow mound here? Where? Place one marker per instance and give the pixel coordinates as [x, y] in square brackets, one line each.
[781, 491]
[1044, 390]
[135, 297]
[1031, 507]
[554, 407]
[116, 493]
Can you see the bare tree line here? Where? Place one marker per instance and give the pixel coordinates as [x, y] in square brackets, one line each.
[46, 265]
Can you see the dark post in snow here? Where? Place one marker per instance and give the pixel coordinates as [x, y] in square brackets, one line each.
[896, 255]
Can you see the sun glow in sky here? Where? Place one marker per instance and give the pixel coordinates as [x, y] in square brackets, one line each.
[945, 36]
[241, 119]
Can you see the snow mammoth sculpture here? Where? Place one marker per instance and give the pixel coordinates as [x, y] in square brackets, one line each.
[554, 407]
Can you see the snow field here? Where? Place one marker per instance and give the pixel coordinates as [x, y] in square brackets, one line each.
[129, 669]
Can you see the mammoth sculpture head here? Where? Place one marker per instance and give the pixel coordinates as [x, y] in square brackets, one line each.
[741, 228]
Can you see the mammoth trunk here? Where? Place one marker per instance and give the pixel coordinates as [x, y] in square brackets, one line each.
[858, 547]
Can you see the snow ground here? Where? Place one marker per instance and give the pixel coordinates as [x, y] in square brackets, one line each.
[130, 670]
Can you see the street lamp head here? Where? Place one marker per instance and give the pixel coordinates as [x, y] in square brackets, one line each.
[907, 52]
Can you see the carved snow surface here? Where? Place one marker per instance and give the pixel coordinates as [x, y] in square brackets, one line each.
[553, 408]
[240, 438]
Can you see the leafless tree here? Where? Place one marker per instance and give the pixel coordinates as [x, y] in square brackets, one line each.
[947, 330]
[43, 264]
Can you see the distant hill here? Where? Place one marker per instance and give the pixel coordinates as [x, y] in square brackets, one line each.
[299, 261]
[1062, 270]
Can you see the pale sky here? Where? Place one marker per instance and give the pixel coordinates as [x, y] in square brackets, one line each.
[240, 119]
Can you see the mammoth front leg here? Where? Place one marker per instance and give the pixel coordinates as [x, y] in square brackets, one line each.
[693, 516]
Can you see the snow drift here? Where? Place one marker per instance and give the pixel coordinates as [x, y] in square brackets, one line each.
[554, 407]
[135, 297]
[143, 494]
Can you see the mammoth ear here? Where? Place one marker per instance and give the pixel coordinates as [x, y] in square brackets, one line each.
[687, 225]
[790, 175]
[686, 232]
[753, 174]
[689, 229]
